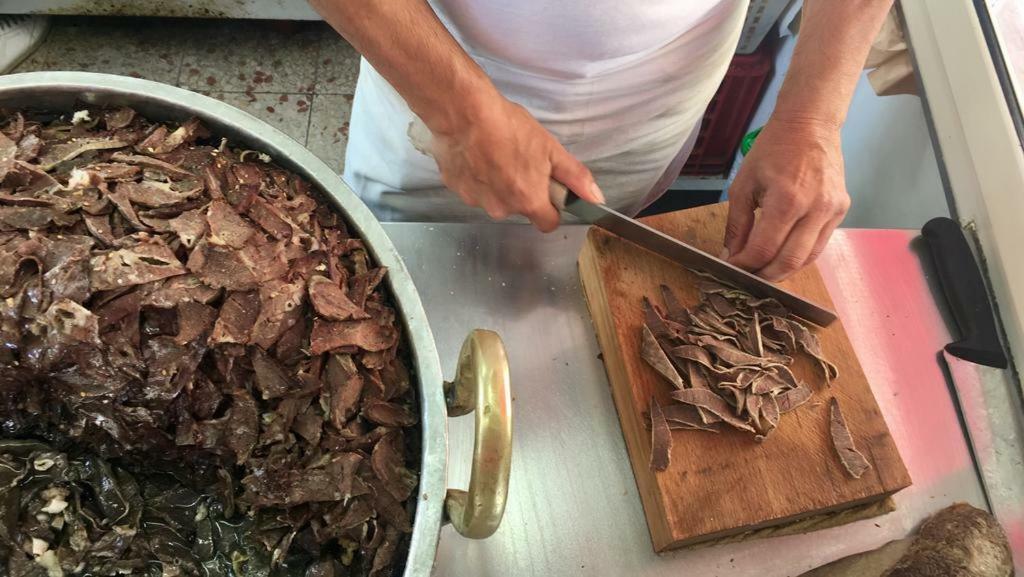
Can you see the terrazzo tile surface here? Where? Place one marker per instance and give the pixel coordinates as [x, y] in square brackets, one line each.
[297, 76]
[328, 128]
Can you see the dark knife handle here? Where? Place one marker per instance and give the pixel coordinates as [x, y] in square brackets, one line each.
[965, 291]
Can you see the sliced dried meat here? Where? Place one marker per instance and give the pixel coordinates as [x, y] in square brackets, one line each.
[139, 160]
[272, 380]
[709, 401]
[661, 438]
[28, 148]
[696, 354]
[170, 292]
[243, 269]
[125, 208]
[195, 322]
[146, 260]
[345, 386]
[195, 377]
[26, 217]
[331, 302]
[99, 227]
[226, 226]
[236, 319]
[852, 459]
[388, 463]
[116, 118]
[262, 213]
[56, 154]
[655, 356]
[687, 417]
[8, 151]
[810, 344]
[362, 284]
[154, 194]
[368, 335]
[388, 414]
[674, 310]
[656, 323]
[281, 307]
[722, 306]
[730, 355]
[793, 398]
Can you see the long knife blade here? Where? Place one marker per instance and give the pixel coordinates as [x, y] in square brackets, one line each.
[688, 256]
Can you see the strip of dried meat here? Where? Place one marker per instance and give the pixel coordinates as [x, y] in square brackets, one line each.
[8, 151]
[236, 319]
[655, 356]
[661, 438]
[271, 379]
[709, 401]
[145, 260]
[687, 417]
[388, 414]
[388, 462]
[226, 226]
[331, 302]
[63, 152]
[852, 459]
[793, 398]
[368, 335]
[809, 343]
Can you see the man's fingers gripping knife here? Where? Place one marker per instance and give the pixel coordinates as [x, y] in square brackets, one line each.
[795, 251]
[770, 230]
[568, 170]
[543, 215]
[741, 216]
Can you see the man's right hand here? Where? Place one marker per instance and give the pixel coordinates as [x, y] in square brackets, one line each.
[500, 159]
[491, 152]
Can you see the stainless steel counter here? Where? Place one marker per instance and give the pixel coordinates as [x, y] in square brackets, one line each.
[573, 504]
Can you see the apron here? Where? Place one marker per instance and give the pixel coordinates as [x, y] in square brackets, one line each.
[625, 95]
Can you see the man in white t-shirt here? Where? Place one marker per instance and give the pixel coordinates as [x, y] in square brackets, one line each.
[604, 96]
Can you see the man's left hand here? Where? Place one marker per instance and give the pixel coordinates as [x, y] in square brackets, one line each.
[787, 199]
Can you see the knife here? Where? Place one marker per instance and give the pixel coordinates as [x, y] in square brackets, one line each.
[673, 249]
[656, 241]
[987, 395]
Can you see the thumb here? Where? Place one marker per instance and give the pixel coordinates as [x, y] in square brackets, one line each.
[565, 168]
[741, 215]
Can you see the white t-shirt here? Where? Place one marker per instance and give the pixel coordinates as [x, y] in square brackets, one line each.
[587, 67]
[616, 81]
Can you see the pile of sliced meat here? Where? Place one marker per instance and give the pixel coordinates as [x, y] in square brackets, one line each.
[729, 361]
[193, 324]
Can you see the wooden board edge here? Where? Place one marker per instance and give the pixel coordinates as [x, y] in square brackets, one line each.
[647, 485]
[814, 521]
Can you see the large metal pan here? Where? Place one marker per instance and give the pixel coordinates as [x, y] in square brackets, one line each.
[482, 378]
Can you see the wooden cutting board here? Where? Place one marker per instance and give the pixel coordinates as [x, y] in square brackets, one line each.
[720, 486]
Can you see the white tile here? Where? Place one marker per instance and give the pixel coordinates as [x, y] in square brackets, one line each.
[288, 113]
[251, 56]
[338, 65]
[328, 128]
[143, 48]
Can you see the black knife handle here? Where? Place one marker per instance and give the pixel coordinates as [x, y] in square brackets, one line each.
[965, 291]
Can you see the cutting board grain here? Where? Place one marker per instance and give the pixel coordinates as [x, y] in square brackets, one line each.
[722, 485]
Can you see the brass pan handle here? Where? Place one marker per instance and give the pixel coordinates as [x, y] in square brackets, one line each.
[482, 384]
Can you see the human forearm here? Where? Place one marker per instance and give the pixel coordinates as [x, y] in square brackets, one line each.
[491, 152]
[410, 47]
[835, 37]
[790, 193]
